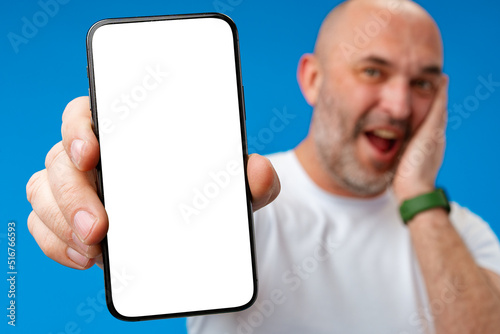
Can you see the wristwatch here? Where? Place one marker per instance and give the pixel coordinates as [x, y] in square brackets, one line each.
[435, 199]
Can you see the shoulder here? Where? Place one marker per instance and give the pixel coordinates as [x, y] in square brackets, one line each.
[465, 221]
[478, 237]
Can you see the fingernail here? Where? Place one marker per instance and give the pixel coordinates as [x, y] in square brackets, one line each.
[84, 222]
[76, 151]
[84, 248]
[76, 257]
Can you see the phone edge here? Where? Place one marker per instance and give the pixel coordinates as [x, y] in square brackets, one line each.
[99, 184]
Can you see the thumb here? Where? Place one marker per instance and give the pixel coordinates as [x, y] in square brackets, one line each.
[263, 181]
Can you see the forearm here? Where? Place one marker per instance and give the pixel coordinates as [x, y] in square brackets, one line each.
[468, 302]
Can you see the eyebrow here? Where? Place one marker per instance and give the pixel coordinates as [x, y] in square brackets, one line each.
[377, 60]
[431, 69]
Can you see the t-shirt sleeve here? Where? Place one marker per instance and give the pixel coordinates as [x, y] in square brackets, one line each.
[478, 236]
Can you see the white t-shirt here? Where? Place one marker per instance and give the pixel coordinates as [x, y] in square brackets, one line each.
[330, 264]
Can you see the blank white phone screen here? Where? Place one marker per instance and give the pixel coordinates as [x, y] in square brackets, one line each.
[166, 98]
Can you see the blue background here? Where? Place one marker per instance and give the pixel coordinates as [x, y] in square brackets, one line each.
[49, 70]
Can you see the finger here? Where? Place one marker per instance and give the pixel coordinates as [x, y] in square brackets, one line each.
[99, 261]
[75, 194]
[263, 181]
[434, 127]
[45, 206]
[442, 104]
[437, 115]
[55, 248]
[79, 139]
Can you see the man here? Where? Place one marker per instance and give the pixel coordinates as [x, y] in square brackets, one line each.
[334, 255]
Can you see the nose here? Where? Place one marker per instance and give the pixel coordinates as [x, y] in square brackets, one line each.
[395, 99]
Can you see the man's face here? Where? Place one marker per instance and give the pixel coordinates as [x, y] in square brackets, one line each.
[371, 101]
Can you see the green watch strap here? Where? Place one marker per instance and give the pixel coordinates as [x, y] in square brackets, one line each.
[413, 206]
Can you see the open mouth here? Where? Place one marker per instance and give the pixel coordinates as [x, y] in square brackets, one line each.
[383, 140]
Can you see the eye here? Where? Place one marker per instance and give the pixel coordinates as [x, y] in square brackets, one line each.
[372, 72]
[424, 85]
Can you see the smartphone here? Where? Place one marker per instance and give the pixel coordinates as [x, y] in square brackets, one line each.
[167, 108]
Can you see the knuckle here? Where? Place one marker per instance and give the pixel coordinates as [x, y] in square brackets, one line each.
[72, 105]
[46, 240]
[47, 212]
[54, 219]
[62, 229]
[67, 110]
[31, 221]
[49, 246]
[70, 192]
[55, 153]
[48, 243]
[34, 184]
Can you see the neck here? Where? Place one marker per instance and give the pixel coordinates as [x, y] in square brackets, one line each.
[308, 156]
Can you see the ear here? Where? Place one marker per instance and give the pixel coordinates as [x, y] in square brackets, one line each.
[309, 77]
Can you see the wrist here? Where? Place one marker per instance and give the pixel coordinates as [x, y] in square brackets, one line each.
[412, 207]
[435, 219]
[413, 191]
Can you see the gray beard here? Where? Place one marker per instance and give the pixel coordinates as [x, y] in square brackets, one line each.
[337, 152]
[346, 171]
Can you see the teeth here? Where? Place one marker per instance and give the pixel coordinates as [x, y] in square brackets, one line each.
[386, 134]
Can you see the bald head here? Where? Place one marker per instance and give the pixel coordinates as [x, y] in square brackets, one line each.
[354, 24]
